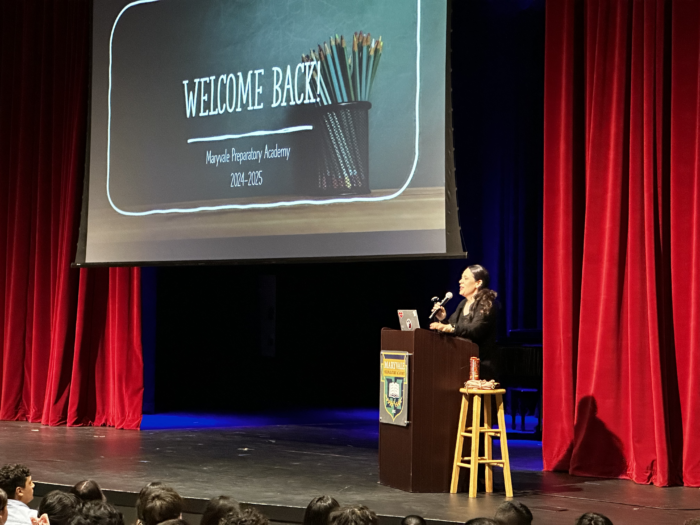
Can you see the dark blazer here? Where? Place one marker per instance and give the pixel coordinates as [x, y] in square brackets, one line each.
[479, 328]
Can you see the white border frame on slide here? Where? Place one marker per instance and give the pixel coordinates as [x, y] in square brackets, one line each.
[287, 130]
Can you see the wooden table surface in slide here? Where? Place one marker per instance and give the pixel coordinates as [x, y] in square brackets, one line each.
[414, 209]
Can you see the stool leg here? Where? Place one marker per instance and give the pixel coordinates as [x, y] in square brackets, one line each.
[461, 428]
[488, 442]
[474, 463]
[504, 447]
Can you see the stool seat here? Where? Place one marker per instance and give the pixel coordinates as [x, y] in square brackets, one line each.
[478, 391]
[474, 398]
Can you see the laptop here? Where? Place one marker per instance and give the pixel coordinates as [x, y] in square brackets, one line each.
[408, 319]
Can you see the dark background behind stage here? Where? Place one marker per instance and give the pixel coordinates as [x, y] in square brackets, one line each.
[202, 325]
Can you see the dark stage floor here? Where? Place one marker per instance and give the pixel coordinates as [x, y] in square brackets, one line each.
[282, 466]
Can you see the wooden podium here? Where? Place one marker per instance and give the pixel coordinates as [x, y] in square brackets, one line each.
[419, 457]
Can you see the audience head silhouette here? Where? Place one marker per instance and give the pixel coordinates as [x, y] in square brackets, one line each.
[61, 507]
[319, 509]
[217, 508]
[3, 507]
[413, 520]
[16, 481]
[88, 490]
[158, 504]
[593, 518]
[357, 515]
[97, 513]
[513, 513]
[143, 495]
[248, 516]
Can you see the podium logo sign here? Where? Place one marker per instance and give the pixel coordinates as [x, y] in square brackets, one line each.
[393, 394]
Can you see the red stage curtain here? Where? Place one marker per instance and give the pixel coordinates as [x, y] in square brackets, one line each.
[71, 349]
[622, 240]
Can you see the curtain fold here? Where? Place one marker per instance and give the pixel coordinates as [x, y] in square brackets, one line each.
[620, 328]
[562, 231]
[71, 351]
[685, 224]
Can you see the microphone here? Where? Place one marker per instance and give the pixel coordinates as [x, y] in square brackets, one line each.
[448, 296]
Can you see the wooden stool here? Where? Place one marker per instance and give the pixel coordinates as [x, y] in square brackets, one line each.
[474, 432]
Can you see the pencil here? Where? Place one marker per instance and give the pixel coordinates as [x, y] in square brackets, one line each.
[346, 67]
[356, 66]
[377, 57]
[327, 74]
[320, 84]
[331, 67]
[338, 68]
[370, 65]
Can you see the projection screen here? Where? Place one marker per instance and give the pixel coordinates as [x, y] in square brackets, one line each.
[266, 129]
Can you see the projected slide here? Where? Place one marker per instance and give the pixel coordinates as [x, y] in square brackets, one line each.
[258, 129]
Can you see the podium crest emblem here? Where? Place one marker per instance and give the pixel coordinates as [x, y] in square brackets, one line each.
[394, 388]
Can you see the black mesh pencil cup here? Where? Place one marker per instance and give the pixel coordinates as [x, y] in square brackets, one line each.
[344, 75]
[343, 163]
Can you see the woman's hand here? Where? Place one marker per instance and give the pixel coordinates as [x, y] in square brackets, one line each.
[440, 312]
[446, 328]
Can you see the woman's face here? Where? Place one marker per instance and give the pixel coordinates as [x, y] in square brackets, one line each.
[467, 285]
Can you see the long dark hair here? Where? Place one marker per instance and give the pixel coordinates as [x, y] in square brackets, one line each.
[484, 297]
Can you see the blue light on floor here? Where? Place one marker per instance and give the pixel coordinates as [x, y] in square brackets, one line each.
[359, 427]
[173, 421]
[524, 454]
[182, 420]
